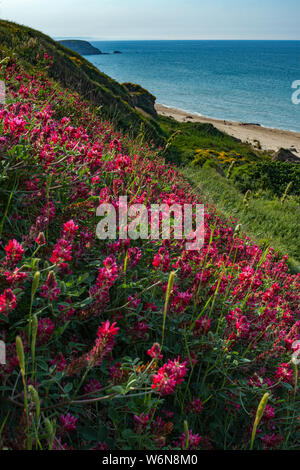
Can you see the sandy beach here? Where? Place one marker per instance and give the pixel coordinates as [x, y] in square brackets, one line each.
[269, 139]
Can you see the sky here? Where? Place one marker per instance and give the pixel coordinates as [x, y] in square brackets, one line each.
[158, 19]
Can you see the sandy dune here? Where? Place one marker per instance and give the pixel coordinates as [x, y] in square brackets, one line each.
[269, 139]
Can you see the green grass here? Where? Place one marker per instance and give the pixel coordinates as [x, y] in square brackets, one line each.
[265, 221]
[196, 135]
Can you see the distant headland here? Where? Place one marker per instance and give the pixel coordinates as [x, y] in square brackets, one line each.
[83, 47]
[80, 46]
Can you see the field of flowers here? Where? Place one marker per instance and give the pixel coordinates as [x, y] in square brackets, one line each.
[129, 344]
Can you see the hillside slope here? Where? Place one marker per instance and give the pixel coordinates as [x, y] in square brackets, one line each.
[136, 343]
[73, 71]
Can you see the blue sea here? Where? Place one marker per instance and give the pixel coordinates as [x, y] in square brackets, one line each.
[249, 81]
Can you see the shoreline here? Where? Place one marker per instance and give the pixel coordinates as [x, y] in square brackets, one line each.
[269, 138]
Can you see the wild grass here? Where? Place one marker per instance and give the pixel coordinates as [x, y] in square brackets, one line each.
[194, 135]
[266, 221]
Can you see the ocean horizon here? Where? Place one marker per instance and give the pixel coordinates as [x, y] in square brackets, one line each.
[236, 80]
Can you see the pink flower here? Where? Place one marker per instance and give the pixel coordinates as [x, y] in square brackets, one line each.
[16, 125]
[93, 386]
[45, 330]
[180, 301]
[62, 252]
[59, 362]
[106, 278]
[14, 252]
[40, 239]
[7, 301]
[155, 352]
[104, 342]
[284, 373]
[269, 412]
[162, 260]
[134, 302]
[195, 406]
[100, 446]
[271, 441]
[15, 276]
[69, 230]
[106, 330]
[242, 326]
[68, 423]
[48, 211]
[202, 326]
[50, 290]
[192, 443]
[141, 422]
[115, 144]
[168, 376]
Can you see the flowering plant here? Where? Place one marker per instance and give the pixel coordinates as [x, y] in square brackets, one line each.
[121, 342]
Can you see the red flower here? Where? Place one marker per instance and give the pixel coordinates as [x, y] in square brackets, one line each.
[93, 386]
[14, 252]
[68, 423]
[50, 290]
[62, 252]
[104, 343]
[7, 301]
[195, 406]
[69, 230]
[45, 330]
[284, 373]
[155, 351]
[168, 376]
[193, 441]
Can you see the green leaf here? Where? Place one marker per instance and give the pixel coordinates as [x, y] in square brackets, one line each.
[68, 387]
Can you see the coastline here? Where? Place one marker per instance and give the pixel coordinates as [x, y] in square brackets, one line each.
[268, 138]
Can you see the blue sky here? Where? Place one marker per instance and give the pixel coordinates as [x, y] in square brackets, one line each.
[158, 19]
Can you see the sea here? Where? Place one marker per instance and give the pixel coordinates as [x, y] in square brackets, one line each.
[247, 81]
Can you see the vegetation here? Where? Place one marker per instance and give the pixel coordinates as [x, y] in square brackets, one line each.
[223, 170]
[269, 221]
[109, 99]
[194, 136]
[269, 177]
[130, 344]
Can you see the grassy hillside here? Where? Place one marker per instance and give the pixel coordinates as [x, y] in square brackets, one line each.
[268, 221]
[223, 170]
[194, 135]
[71, 70]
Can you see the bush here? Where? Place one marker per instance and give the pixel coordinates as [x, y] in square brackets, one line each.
[268, 176]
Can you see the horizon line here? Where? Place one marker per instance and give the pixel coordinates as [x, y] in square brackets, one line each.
[177, 39]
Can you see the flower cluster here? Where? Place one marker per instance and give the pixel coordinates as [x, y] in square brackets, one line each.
[169, 376]
[232, 314]
[104, 343]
